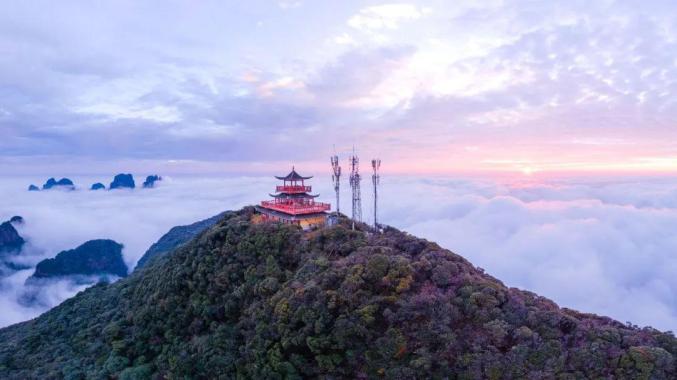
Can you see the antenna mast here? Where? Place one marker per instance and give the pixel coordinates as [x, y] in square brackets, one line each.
[335, 179]
[355, 186]
[376, 179]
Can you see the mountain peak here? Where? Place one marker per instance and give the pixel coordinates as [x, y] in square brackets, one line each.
[95, 257]
[10, 240]
[272, 301]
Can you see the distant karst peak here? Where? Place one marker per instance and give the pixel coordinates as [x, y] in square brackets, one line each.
[150, 181]
[122, 181]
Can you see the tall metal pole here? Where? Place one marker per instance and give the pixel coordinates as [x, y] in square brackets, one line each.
[336, 179]
[375, 179]
[355, 186]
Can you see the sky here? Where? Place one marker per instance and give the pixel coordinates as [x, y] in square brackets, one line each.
[431, 87]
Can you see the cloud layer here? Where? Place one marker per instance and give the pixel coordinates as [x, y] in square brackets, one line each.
[59, 220]
[604, 246]
[570, 86]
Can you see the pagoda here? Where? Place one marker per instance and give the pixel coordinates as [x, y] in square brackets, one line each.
[292, 203]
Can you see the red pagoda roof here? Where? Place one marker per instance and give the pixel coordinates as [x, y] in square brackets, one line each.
[293, 176]
[294, 195]
[296, 209]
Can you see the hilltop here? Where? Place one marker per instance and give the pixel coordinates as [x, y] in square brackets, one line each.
[270, 301]
[11, 244]
[95, 257]
[10, 240]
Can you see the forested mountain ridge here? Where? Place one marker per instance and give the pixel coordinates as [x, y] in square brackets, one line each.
[175, 237]
[270, 301]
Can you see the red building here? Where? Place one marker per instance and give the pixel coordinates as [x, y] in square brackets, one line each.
[292, 203]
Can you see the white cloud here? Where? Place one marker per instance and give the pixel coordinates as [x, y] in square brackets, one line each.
[289, 4]
[283, 83]
[386, 16]
[160, 114]
[201, 130]
[344, 39]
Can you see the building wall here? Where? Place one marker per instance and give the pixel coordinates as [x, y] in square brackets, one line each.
[305, 222]
[316, 221]
[257, 218]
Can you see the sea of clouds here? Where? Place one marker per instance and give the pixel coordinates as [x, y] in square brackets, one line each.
[58, 220]
[606, 246]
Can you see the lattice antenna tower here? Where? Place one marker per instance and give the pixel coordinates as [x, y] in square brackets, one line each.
[376, 179]
[336, 177]
[355, 186]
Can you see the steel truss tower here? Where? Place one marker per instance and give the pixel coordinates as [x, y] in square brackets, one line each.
[336, 179]
[376, 179]
[355, 186]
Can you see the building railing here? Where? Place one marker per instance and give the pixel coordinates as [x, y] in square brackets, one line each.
[292, 189]
[296, 208]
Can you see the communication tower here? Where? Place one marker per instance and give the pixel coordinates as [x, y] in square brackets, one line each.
[355, 186]
[336, 179]
[376, 179]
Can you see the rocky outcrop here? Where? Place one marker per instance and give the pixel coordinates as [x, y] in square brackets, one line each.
[63, 183]
[10, 241]
[95, 257]
[98, 186]
[123, 181]
[176, 237]
[33, 188]
[17, 220]
[150, 181]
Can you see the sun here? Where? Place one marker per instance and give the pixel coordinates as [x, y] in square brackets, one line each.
[528, 170]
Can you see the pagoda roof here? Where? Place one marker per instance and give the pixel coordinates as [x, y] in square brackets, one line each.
[293, 176]
[294, 195]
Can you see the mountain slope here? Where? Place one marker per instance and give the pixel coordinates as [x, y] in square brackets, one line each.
[269, 301]
[175, 237]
